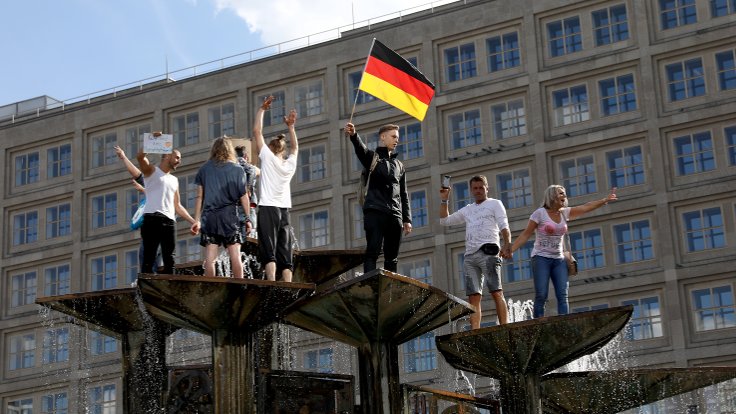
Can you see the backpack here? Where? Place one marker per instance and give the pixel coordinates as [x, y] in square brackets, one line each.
[365, 179]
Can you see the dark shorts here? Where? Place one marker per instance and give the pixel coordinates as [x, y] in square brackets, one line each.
[205, 239]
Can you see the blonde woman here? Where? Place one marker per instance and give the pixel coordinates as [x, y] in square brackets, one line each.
[221, 187]
[549, 222]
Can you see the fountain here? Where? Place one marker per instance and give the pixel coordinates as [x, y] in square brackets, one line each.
[374, 312]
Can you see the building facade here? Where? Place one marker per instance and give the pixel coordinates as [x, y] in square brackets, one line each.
[638, 95]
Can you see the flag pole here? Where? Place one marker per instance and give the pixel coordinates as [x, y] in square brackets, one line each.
[355, 101]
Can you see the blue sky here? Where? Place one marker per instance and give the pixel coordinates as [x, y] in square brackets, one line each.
[70, 48]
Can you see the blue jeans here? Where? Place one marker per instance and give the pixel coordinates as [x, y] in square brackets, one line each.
[544, 269]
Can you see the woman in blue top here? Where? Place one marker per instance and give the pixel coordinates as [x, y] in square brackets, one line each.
[548, 263]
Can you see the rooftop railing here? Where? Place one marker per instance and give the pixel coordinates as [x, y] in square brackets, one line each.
[229, 61]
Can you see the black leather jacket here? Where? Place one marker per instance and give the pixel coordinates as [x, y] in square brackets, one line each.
[387, 188]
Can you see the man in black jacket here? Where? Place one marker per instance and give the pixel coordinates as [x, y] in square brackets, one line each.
[386, 211]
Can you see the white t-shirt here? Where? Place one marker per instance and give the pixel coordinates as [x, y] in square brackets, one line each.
[484, 222]
[275, 177]
[548, 239]
[160, 189]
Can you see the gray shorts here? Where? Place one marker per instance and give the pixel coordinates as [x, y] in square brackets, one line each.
[482, 269]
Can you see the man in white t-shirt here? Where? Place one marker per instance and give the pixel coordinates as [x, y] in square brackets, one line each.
[159, 214]
[484, 220]
[277, 169]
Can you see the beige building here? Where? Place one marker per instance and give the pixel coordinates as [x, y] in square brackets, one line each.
[634, 94]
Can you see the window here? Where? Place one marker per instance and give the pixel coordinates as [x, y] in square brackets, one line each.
[56, 345]
[720, 8]
[221, 121]
[100, 344]
[354, 79]
[571, 105]
[312, 164]
[465, 129]
[460, 260]
[418, 203]
[704, 229]
[55, 403]
[730, 133]
[564, 36]
[132, 262]
[185, 129]
[685, 79]
[134, 138]
[726, 69]
[22, 351]
[319, 360]
[646, 321]
[509, 119]
[308, 99]
[420, 354]
[674, 13]
[275, 114]
[103, 149]
[714, 308]
[314, 230]
[22, 406]
[578, 176]
[23, 289]
[25, 228]
[410, 142]
[617, 95]
[104, 210]
[587, 247]
[633, 241]
[58, 221]
[461, 194]
[358, 230]
[503, 52]
[694, 153]
[625, 167]
[26, 169]
[189, 250]
[102, 399]
[104, 272]
[59, 161]
[133, 199]
[515, 189]
[460, 62]
[610, 25]
[187, 191]
[57, 280]
[420, 270]
[519, 267]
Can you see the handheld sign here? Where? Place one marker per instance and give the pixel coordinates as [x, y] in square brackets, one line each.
[162, 144]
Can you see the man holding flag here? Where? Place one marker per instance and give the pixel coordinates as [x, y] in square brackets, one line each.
[386, 210]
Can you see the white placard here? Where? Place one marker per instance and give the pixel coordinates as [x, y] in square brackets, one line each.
[162, 144]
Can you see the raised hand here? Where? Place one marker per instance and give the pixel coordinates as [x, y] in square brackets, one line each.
[290, 119]
[266, 105]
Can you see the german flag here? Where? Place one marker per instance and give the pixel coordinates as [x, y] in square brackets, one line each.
[392, 79]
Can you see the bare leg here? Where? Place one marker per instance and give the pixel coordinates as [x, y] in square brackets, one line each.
[209, 262]
[501, 308]
[475, 317]
[236, 264]
[286, 275]
[271, 271]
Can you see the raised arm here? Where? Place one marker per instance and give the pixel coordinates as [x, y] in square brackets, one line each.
[365, 156]
[578, 211]
[258, 123]
[132, 169]
[290, 121]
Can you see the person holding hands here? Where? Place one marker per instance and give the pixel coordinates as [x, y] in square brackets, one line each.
[549, 222]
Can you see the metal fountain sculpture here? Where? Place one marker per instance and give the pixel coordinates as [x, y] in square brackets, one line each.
[375, 312]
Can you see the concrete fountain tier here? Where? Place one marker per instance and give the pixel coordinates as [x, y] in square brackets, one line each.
[518, 354]
[232, 311]
[610, 392]
[377, 312]
[119, 313]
